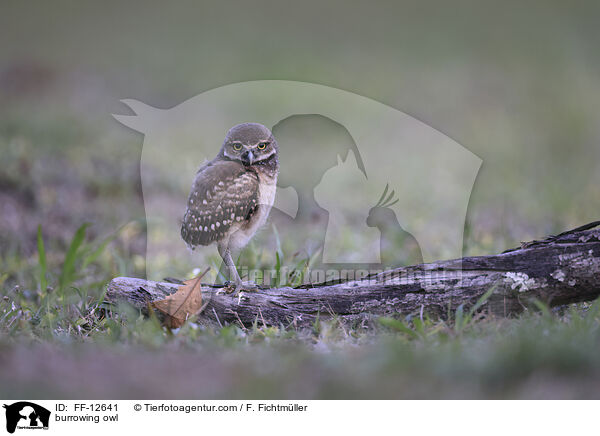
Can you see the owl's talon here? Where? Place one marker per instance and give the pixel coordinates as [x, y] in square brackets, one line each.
[229, 287]
[237, 289]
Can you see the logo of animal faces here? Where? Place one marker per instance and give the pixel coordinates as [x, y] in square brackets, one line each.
[25, 415]
[361, 184]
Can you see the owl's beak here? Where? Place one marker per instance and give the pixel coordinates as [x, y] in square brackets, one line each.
[247, 157]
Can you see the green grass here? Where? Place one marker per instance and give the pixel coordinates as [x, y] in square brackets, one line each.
[56, 324]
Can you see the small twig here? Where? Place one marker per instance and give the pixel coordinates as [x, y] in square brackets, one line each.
[217, 317]
[238, 318]
[262, 317]
[240, 321]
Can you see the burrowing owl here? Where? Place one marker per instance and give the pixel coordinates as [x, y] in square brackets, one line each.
[232, 195]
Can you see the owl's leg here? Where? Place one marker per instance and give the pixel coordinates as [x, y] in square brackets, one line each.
[225, 253]
[235, 283]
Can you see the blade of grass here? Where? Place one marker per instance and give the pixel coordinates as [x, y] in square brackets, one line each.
[542, 308]
[459, 319]
[98, 251]
[481, 301]
[42, 259]
[396, 324]
[277, 269]
[419, 326]
[298, 273]
[67, 274]
[277, 240]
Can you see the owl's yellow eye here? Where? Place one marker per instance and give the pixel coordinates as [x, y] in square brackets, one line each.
[237, 147]
[262, 145]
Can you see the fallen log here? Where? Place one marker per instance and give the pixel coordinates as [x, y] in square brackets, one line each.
[558, 270]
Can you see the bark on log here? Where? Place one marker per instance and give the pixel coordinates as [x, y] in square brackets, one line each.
[558, 270]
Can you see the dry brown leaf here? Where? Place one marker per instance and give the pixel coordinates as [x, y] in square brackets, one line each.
[184, 303]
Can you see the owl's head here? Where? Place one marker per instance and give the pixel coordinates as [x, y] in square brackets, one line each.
[250, 144]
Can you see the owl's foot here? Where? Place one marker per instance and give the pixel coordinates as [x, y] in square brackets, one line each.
[236, 287]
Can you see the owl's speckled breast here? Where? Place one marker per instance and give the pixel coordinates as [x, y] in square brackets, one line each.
[266, 197]
[266, 189]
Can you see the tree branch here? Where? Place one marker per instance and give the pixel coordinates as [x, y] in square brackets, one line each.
[558, 270]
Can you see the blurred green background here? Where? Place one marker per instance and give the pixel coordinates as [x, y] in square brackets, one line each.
[517, 84]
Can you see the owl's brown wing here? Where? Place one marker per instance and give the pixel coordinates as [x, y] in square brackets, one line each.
[223, 193]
